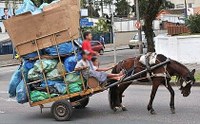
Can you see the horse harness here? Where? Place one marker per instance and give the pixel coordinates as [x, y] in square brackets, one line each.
[147, 63]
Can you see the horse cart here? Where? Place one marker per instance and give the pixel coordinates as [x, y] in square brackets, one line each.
[55, 25]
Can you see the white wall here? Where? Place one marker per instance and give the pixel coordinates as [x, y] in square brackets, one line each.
[185, 49]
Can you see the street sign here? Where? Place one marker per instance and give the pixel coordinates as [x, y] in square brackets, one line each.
[84, 20]
[89, 24]
[84, 12]
[85, 23]
[138, 25]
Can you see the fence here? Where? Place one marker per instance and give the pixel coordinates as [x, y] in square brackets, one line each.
[176, 30]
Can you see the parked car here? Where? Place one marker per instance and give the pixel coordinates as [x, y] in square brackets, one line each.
[98, 47]
[135, 43]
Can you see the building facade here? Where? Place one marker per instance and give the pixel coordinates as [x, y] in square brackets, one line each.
[179, 4]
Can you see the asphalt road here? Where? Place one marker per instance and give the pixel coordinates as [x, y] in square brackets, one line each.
[98, 111]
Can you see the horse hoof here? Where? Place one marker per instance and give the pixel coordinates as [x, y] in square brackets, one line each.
[152, 112]
[173, 111]
[124, 109]
[115, 109]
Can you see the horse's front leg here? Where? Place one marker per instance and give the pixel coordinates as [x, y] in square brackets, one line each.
[172, 93]
[153, 93]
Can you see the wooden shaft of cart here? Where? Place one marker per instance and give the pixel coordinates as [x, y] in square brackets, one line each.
[137, 74]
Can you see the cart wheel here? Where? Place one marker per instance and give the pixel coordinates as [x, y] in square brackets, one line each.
[61, 110]
[82, 104]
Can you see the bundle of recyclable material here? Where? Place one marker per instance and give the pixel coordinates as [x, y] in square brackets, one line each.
[47, 54]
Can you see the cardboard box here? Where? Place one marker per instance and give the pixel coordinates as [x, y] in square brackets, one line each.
[57, 24]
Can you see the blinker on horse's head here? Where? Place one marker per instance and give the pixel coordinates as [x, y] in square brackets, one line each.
[186, 83]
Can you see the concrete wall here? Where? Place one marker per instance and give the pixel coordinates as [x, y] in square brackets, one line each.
[184, 49]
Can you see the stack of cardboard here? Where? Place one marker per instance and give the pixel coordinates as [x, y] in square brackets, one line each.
[57, 23]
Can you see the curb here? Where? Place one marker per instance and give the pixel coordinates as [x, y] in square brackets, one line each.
[116, 49]
[15, 64]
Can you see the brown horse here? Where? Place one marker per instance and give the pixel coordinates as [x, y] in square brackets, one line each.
[161, 75]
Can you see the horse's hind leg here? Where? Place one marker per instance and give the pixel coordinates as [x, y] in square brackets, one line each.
[172, 107]
[153, 93]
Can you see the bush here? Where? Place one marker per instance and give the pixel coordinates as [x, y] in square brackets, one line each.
[193, 23]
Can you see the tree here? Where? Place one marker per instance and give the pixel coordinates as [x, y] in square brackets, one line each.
[122, 8]
[193, 23]
[83, 3]
[148, 12]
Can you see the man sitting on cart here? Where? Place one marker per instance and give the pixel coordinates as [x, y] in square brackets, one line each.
[85, 67]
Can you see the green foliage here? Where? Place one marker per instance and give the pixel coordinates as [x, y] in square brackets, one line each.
[102, 26]
[143, 6]
[83, 3]
[193, 23]
[123, 8]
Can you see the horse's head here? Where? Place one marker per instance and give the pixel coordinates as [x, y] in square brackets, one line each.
[186, 83]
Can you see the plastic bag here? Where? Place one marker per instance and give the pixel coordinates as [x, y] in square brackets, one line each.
[31, 55]
[72, 77]
[21, 95]
[33, 76]
[54, 75]
[70, 62]
[50, 83]
[48, 65]
[61, 87]
[75, 87]
[38, 96]
[28, 6]
[63, 49]
[14, 82]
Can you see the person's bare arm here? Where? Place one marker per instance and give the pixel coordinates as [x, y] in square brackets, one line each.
[81, 68]
[104, 69]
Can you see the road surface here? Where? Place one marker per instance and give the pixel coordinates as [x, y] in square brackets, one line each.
[98, 111]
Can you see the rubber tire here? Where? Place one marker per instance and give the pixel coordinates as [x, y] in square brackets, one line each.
[83, 103]
[131, 47]
[64, 104]
[101, 52]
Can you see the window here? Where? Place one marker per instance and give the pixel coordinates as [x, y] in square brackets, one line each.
[190, 5]
[180, 6]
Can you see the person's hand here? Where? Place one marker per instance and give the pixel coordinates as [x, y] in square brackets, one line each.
[97, 54]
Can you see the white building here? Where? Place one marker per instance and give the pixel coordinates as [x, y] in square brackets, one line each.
[107, 8]
[180, 4]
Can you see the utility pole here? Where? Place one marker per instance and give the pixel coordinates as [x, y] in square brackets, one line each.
[139, 29]
[112, 36]
[102, 7]
[186, 14]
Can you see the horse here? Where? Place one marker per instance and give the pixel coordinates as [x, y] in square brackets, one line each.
[158, 76]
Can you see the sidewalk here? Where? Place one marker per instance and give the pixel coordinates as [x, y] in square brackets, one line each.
[110, 47]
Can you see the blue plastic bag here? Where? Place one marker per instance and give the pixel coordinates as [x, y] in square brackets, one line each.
[14, 82]
[21, 95]
[70, 62]
[28, 6]
[50, 83]
[61, 87]
[31, 55]
[63, 49]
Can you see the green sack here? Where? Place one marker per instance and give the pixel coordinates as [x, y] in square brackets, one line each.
[54, 75]
[73, 78]
[47, 64]
[75, 87]
[32, 75]
[38, 96]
